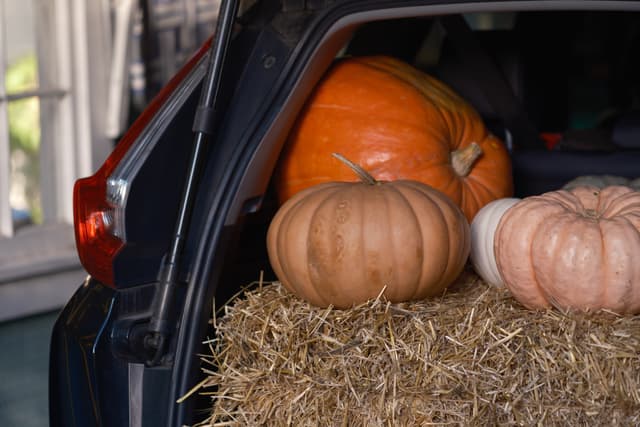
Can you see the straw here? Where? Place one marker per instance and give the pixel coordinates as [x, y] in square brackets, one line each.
[471, 357]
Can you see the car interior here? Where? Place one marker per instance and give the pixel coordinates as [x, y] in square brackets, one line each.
[572, 78]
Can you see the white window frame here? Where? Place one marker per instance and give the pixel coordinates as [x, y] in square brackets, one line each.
[39, 267]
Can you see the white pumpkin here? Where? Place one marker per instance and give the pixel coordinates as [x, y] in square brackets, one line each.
[483, 229]
[600, 181]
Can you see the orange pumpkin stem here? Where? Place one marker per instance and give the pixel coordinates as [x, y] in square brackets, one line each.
[362, 174]
[463, 160]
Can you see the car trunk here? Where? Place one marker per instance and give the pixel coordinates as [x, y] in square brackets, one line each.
[574, 75]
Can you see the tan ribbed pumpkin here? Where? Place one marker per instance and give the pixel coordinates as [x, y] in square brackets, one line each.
[577, 249]
[342, 243]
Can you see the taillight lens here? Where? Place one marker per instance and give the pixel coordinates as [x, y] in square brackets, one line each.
[94, 225]
[99, 201]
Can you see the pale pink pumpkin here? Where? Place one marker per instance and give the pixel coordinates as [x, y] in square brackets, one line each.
[577, 249]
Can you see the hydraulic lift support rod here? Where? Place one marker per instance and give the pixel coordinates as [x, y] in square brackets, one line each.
[204, 125]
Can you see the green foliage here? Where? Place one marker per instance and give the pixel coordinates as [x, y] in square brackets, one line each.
[22, 75]
[24, 114]
[24, 128]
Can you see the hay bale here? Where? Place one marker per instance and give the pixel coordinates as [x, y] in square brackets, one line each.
[471, 357]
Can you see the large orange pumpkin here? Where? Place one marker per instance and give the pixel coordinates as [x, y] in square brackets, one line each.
[343, 243]
[576, 249]
[397, 123]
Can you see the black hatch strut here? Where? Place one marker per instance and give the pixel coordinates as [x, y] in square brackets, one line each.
[204, 125]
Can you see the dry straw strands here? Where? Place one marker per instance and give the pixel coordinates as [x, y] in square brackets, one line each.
[472, 357]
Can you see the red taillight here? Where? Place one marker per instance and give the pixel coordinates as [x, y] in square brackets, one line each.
[97, 245]
[98, 236]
